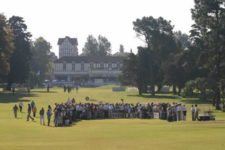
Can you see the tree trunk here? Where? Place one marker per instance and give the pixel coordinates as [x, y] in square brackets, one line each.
[174, 90]
[159, 88]
[139, 90]
[179, 91]
[218, 99]
[153, 90]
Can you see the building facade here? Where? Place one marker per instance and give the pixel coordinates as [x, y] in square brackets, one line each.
[67, 47]
[85, 70]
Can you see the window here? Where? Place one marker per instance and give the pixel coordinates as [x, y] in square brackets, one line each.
[64, 66]
[106, 65]
[114, 65]
[73, 66]
[82, 66]
[98, 66]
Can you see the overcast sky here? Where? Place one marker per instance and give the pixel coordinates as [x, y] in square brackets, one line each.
[53, 19]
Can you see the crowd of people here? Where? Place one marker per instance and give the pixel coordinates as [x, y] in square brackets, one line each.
[64, 114]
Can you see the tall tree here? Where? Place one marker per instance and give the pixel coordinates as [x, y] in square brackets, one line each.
[6, 46]
[94, 47]
[174, 67]
[41, 62]
[121, 52]
[209, 27]
[158, 35]
[90, 47]
[104, 46]
[129, 70]
[20, 60]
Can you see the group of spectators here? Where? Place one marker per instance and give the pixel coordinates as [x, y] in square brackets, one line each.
[31, 112]
[68, 88]
[66, 113]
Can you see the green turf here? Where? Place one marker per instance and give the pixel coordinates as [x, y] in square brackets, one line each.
[118, 134]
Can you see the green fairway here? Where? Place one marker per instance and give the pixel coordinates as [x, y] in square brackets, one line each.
[113, 134]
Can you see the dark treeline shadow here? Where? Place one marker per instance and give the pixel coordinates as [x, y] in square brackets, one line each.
[44, 91]
[9, 97]
[157, 96]
[196, 101]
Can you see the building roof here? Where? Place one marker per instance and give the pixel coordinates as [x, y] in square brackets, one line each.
[73, 41]
[91, 59]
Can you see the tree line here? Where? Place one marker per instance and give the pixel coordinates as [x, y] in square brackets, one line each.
[22, 60]
[188, 63]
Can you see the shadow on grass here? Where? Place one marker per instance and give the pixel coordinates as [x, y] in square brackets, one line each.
[196, 101]
[157, 96]
[8, 97]
[44, 91]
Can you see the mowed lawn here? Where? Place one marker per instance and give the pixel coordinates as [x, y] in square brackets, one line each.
[115, 134]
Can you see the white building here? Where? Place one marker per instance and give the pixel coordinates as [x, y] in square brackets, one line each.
[85, 70]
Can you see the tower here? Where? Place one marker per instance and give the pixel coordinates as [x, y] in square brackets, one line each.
[67, 46]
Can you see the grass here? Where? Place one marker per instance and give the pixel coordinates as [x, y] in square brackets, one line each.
[118, 134]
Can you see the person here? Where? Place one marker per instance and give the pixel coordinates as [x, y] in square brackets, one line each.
[21, 106]
[77, 88]
[196, 112]
[32, 104]
[48, 88]
[42, 113]
[192, 112]
[34, 110]
[29, 113]
[13, 90]
[15, 109]
[184, 110]
[49, 114]
[28, 89]
[64, 87]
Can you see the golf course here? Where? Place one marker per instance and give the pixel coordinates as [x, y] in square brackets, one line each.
[106, 134]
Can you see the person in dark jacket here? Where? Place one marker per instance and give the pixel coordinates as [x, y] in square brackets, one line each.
[49, 114]
[15, 110]
[42, 113]
[29, 113]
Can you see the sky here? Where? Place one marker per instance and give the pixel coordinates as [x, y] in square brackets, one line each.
[53, 19]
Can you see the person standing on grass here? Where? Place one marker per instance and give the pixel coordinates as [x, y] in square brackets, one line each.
[184, 111]
[42, 113]
[196, 112]
[48, 87]
[29, 113]
[21, 106]
[15, 110]
[32, 104]
[13, 90]
[49, 114]
[34, 110]
[192, 112]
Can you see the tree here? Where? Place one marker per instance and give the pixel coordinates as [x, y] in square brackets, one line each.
[6, 46]
[104, 46]
[158, 35]
[121, 52]
[209, 17]
[41, 61]
[91, 46]
[94, 47]
[20, 60]
[174, 70]
[129, 70]
[148, 70]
